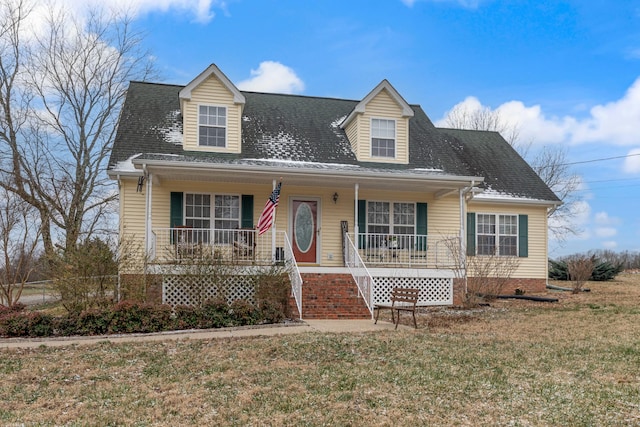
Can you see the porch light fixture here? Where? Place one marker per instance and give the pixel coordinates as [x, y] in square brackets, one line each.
[335, 197]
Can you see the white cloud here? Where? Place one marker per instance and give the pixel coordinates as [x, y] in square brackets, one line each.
[603, 218]
[605, 232]
[578, 219]
[610, 244]
[632, 162]
[615, 122]
[272, 76]
[202, 10]
[469, 4]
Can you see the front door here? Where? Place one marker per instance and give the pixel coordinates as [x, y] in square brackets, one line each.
[304, 230]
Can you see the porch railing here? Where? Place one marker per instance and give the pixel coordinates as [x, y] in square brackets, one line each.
[407, 250]
[360, 273]
[172, 245]
[294, 275]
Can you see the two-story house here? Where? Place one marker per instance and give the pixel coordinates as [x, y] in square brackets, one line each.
[373, 195]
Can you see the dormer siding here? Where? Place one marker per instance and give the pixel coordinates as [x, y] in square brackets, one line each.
[211, 92]
[382, 106]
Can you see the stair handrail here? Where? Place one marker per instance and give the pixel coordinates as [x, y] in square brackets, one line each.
[359, 272]
[294, 274]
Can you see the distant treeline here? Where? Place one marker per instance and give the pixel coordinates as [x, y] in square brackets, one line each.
[626, 260]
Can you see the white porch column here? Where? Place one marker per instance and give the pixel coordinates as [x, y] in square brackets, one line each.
[273, 228]
[355, 219]
[149, 222]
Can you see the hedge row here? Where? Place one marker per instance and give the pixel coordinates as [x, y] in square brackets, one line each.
[602, 270]
[132, 317]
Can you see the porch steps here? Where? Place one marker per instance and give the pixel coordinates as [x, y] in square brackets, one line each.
[331, 296]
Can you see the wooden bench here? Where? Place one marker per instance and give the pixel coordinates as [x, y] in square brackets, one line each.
[402, 299]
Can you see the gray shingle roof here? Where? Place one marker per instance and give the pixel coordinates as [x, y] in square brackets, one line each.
[307, 129]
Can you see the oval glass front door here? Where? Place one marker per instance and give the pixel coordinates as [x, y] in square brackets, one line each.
[304, 227]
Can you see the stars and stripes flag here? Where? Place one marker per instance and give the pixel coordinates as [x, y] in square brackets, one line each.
[268, 213]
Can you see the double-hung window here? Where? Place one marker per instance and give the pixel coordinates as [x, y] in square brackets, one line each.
[212, 126]
[199, 216]
[396, 221]
[383, 138]
[497, 234]
[226, 216]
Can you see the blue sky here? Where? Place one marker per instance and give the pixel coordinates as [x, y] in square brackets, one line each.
[566, 73]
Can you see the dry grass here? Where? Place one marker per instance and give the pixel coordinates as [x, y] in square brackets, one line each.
[518, 363]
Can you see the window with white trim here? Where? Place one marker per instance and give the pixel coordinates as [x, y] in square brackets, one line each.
[383, 138]
[197, 215]
[389, 219]
[226, 216]
[497, 234]
[212, 126]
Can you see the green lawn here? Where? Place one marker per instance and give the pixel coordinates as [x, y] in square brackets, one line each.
[515, 363]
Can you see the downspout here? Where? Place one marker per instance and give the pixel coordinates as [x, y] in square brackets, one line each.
[147, 231]
[463, 232]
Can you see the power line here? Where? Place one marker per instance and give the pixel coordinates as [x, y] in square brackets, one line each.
[592, 160]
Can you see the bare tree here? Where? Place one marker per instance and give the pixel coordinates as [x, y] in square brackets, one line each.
[18, 246]
[60, 95]
[483, 118]
[482, 276]
[580, 268]
[550, 163]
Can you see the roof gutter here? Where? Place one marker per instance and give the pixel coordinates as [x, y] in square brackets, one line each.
[357, 174]
[515, 200]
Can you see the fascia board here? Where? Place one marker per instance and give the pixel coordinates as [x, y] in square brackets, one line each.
[185, 93]
[458, 181]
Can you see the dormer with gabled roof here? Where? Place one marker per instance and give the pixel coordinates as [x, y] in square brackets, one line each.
[378, 126]
[211, 108]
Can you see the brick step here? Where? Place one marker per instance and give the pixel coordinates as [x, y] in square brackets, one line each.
[331, 296]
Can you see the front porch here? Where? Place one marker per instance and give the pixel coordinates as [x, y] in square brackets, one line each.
[372, 267]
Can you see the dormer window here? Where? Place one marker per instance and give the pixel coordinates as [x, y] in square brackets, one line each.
[212, 126]
[383, 138]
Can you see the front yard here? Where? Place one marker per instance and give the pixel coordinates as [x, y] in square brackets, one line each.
[576, 362]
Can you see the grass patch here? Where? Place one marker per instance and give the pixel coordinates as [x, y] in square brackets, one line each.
[514, 363]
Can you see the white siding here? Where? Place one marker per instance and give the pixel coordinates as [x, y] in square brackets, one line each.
[534, 266]
[211, 92]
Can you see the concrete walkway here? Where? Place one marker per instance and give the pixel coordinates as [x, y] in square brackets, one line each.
[324, 326]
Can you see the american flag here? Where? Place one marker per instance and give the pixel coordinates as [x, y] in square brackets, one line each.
[266, 217]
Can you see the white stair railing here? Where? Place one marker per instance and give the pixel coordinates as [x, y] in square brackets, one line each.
[294, 274]
[359, 272]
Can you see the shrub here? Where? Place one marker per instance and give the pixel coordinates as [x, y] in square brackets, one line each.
[156, 318]
[602, 270]
[215, 314]
[93, 322]
[272, 291]
[187, 317]
[271, 312]
[40, 324]
[242, 312]
[14, 324]
[127, 317]
[66, 325]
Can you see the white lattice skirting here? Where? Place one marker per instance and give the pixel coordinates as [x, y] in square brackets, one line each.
[178, 289]
[433, 290]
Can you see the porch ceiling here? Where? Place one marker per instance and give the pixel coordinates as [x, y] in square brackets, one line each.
[319, 178]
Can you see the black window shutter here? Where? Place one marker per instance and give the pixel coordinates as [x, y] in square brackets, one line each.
[247, 211]
[176, 219]
[421, 226]
[362, 223]
[523, 236]
[471, 233]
